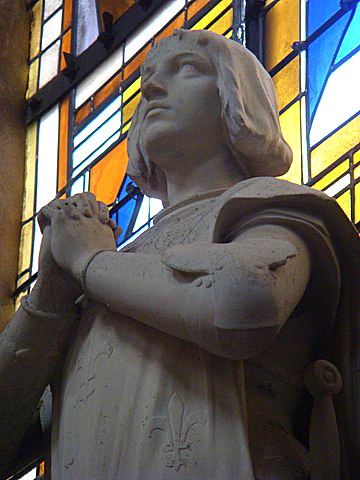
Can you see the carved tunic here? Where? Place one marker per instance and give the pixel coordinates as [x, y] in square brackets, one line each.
[136, 403]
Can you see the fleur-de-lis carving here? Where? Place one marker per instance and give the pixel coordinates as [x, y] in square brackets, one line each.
[177, 427]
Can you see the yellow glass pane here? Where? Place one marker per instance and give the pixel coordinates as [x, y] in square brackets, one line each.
[335, 146]
[345, 203]
[30, 168]
[204, 22]
[356, 161]
[25, 249]
[195, 7]
[128, 110]
[282, 29]
[357, 203]
[32, 79]
[107, 175]
[177, 23]
[36, 29]
[223, 24]
[287, 83]
[126, 128]
[229, 34]
[332, 175]
[134, 87]
[290, 127]
[63, 143]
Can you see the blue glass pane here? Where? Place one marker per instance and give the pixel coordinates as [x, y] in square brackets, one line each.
[340, 100]
[319, 11]
[123, 216]
[352, 37]
[320, 56]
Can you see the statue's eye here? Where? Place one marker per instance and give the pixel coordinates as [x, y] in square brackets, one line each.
[188, 67]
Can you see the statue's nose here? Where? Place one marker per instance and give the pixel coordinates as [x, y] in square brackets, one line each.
[153, 88]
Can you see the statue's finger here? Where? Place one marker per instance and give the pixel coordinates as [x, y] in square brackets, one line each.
[103, 212]
[46, 214]
[117, 231]
[80, 202]
[92, 202]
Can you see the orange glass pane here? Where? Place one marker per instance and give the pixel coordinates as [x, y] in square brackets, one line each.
[107, 90]
[223, 24]
[66, 47]
[63, 143]
[128, 109]
[177, 23]
[335, 146]
[287, 83]
[42, 468]
[82, 113]
[195, 7]
[282, 29]
[290, 127]
[107, 175]
[67, 14]
[36, 29]
[116, 8]
[136, 62]
[206, 19]
[345, 203]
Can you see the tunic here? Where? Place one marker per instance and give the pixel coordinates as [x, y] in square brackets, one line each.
[136, 403]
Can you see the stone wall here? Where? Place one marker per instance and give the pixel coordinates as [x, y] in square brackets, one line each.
[14, 44]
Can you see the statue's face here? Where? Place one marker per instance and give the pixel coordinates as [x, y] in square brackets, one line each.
[181, 108]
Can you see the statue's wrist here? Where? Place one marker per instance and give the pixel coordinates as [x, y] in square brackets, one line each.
[54, 293]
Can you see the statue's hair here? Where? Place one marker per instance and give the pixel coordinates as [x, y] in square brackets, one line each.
[249, 114]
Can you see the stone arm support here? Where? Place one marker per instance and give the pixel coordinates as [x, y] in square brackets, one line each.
[231, 299]
[31, 349]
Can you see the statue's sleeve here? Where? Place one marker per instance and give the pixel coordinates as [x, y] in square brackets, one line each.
[221, 266]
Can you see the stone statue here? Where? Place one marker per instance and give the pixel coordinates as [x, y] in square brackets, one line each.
[197, 351]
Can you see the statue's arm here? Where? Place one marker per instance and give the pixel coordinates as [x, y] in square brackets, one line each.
[31, 348]
[231, 299]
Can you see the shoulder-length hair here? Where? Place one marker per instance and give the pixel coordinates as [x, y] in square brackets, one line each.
[249, 115]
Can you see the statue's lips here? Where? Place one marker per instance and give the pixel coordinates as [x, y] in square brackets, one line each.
[153, 107]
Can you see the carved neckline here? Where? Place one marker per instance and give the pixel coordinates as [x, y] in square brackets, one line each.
[195, 198]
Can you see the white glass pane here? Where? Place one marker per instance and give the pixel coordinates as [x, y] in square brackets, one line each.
[340, 100]
[98, 77]
[143, 215]
[51, 30]
[87, 25]
[51, 6]
[155, 206]
[149, 28]
[338, 186]
[37, 243]
[47, 157]
[30, 475]
[98, 152]
[96, 139]
[78, 186]
[100, 119]
[49, 64]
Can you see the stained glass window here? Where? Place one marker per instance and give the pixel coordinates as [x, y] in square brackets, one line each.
[312, 50]
[78, 118]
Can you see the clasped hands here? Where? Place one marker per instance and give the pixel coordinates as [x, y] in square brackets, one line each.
[74, 230]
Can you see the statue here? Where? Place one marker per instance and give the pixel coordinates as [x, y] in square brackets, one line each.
[183, 356]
